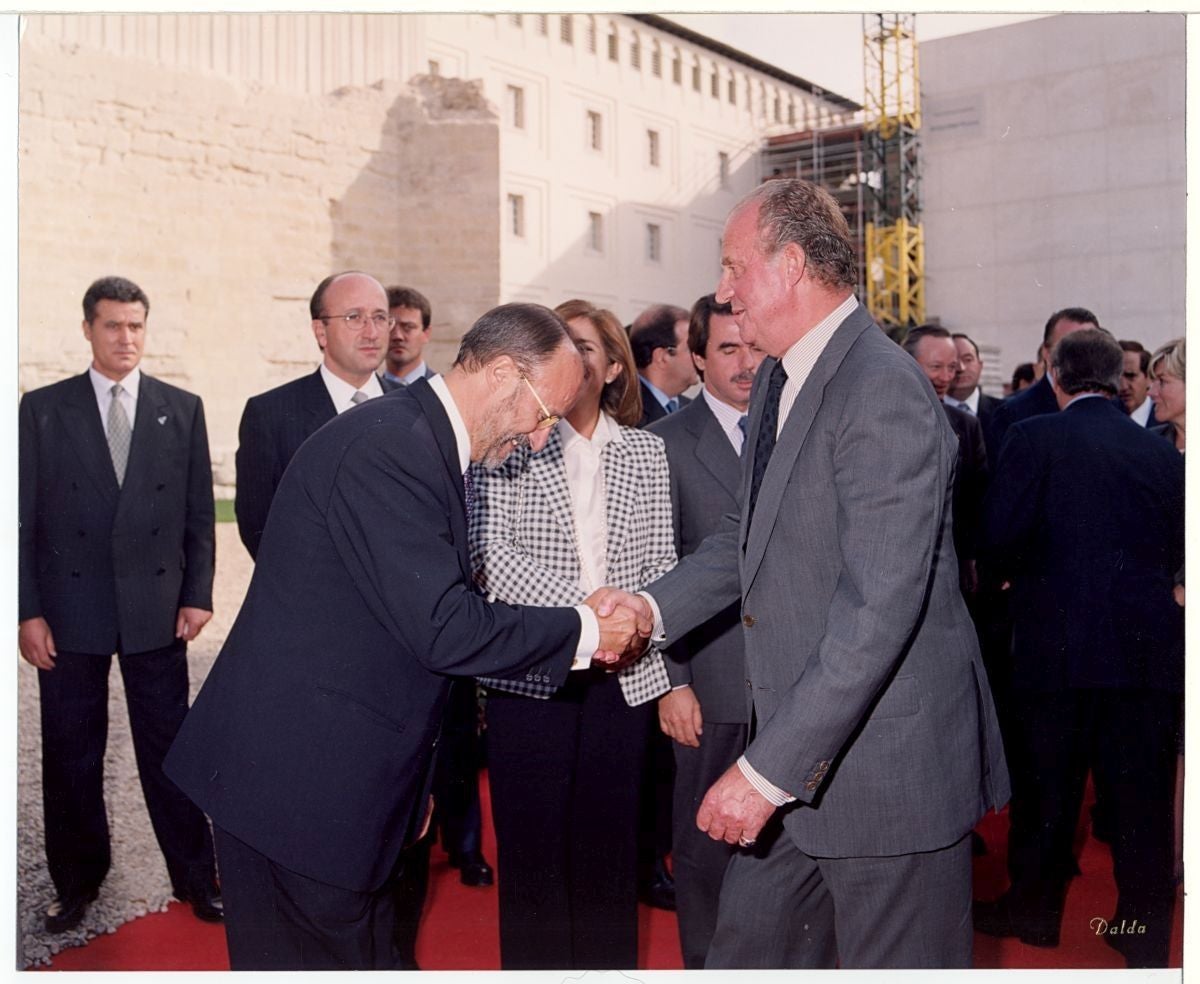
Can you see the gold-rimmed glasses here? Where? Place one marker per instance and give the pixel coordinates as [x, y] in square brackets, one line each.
[547, 419]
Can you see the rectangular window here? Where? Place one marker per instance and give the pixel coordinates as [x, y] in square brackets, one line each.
[516, 215]
[514, 19]
[566, 29]
[732, 91]
[435, 68]
[596, 232]
[591, 35]
[543, 24]
[635, 54]
[696, 77]
[595, 130]
[791, 113]
[656, 63]
[777, 110]
[653, 242]
[613, 54]
[677, 69]
[516, 107]
[723, 168]
[714, 85]
[652, 148]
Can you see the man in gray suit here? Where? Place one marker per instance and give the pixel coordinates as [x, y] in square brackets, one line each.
[873, 736]
[705, 712]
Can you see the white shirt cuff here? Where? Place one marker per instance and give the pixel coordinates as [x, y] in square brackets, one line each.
[772, 793]
[659, 635]
[589, 638]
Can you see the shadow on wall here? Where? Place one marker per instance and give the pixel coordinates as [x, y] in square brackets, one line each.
[424, 210]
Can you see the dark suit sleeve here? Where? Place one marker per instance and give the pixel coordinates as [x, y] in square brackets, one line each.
[679, 667]
[414, 580]
[199, 530]
[256, 468]
[975, 481]
[1011, 506]
[28, 604]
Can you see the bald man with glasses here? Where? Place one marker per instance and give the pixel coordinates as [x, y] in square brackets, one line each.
[351, 322]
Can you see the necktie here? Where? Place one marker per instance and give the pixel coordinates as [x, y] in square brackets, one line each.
[672, 405]
[469, 492]
[119, 433]
[764, 443]
[742, 421]
[359, 397]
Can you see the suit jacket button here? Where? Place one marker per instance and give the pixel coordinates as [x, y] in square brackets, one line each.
[74, 573]
[161, 570]
[824, 766]
[749, 684]
[160, 486]
[82, 533]
[154, 532]
[748, 621]
[810, 785]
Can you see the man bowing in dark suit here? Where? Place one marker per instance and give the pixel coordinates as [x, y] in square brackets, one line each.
[351, 322]
[311, 742]
[874, 740]
[115, 555]
[705, 712]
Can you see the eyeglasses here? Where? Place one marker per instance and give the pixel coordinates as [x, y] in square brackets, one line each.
[548, 419]
[357, 320]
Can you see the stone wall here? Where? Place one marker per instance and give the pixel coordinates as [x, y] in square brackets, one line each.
[228, 202]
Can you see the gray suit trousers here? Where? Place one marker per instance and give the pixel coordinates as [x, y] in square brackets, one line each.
[781, 908]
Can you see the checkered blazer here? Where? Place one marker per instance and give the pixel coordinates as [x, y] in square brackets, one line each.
[523, 538]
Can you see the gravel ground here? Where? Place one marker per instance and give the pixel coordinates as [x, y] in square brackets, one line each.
[137, 882]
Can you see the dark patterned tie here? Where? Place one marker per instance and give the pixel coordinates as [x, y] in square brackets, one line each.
[672, 405]
[764, 443]
[742, 421]
[469, 492]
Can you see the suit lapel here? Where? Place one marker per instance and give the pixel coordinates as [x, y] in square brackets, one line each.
[791, 440]
[714, 451]
[620, 472]
[81, 420]
[318, 405]
[548, 471]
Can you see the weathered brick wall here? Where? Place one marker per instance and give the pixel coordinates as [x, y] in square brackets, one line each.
[228, 202]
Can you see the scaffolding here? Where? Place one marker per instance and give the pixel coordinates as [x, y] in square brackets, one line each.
[894, 237]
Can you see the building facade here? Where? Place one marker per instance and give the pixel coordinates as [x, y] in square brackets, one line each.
[228, 162]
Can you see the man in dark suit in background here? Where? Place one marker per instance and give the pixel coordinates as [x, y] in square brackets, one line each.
[1038, 398]
[965, 391]
[658, 337]
[411, 314]
[706, 712]
[311, 742]
[1134, 389]
[350, 320]
[115, 555]
[1085, 517]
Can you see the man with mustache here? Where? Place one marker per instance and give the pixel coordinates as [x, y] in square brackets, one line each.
[705, 712]
[350, 321]
[311, 742]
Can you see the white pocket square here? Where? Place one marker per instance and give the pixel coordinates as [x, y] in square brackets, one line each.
[162, 419]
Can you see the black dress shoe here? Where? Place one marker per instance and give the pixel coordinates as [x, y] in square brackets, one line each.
[68, 912]
[206, 905]
[473, 869]
[659, 890]
[997, 919]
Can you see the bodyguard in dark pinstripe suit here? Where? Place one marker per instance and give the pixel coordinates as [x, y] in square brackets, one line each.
[565, 770]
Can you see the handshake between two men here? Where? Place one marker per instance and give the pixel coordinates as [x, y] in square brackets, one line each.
[626, 623]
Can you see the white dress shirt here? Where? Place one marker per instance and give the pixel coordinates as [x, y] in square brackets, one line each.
[585, 483]
[589, 633]
[970, 404]
[1141, 415]
[728, 417]
[342, 393]
[103, 388]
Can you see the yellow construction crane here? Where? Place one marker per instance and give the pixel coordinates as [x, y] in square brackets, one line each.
[895, 244]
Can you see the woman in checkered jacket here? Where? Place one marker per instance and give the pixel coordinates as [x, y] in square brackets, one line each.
[591, 508]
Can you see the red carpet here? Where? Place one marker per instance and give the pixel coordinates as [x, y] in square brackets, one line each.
[459, 931]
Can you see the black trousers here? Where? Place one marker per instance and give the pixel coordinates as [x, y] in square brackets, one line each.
[565, 774]
[276, 919]
[74, 717]
[1127, 739]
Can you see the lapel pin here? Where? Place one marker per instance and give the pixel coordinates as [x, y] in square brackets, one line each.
[162, 419]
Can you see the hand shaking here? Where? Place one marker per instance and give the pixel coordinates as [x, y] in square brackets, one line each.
[626, 623]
